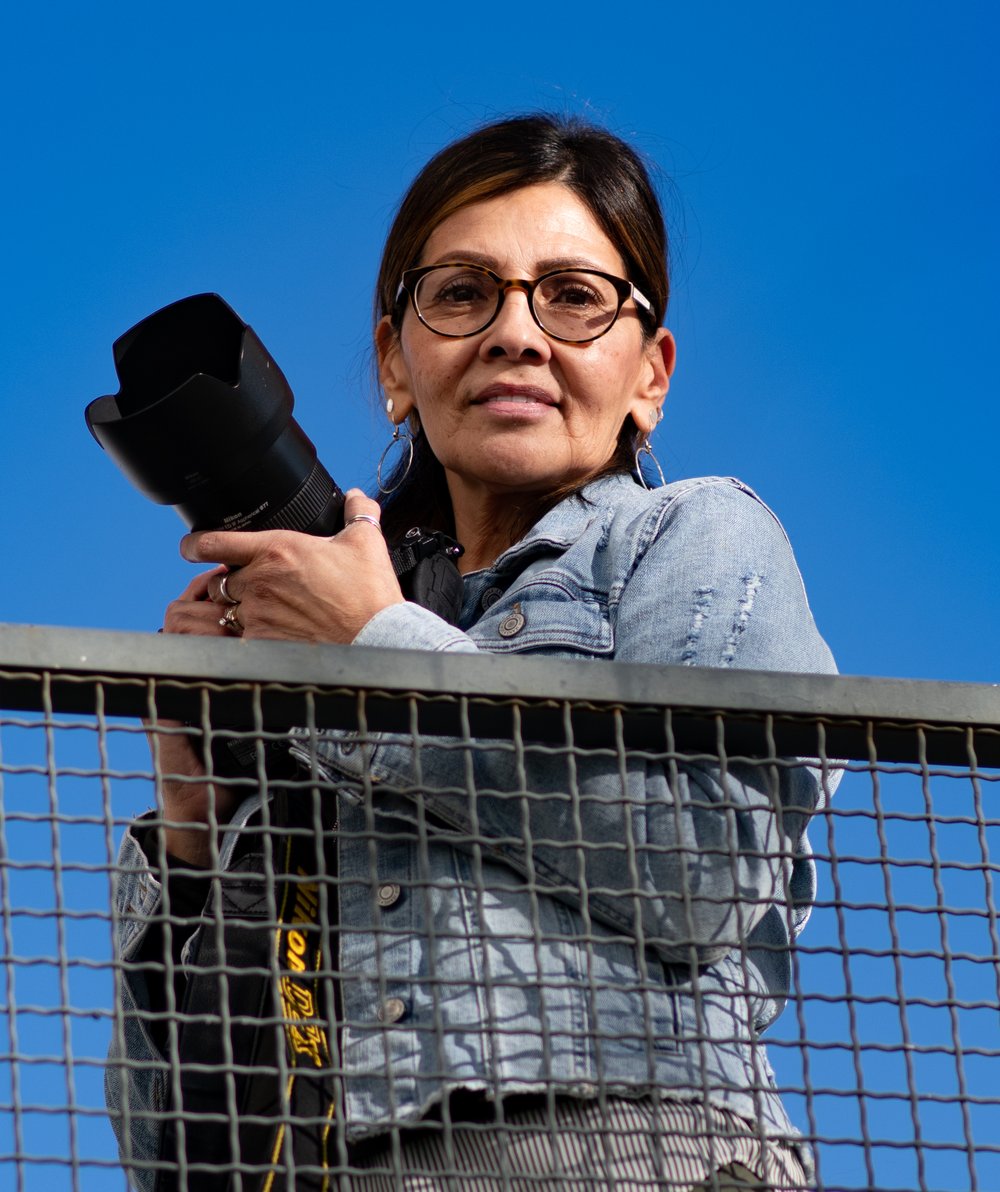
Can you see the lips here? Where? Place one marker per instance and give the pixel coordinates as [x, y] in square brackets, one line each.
[529, 395]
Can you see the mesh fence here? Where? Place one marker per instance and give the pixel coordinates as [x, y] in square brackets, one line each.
[521, 926]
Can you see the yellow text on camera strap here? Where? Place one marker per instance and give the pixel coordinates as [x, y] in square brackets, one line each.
[299, 956]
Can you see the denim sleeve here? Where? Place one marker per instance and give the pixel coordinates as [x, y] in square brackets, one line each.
[685, 858]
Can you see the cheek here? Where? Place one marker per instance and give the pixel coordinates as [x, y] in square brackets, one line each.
[609, 383]
[435, 377]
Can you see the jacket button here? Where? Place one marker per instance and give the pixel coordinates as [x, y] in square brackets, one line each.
[489, 598]
[388, 893]
[513, 623]
[391, 1010]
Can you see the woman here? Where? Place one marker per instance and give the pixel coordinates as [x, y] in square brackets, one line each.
[605, 1012]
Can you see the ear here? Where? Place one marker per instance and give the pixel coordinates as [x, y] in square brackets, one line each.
[654, 380]
[393, 373]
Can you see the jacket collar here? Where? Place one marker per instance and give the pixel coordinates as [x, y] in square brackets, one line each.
[566, 522]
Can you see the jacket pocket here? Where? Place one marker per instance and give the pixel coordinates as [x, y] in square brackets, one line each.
[551, 614]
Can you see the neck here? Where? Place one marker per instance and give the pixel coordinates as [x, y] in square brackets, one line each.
[488, 523]
[485, 536]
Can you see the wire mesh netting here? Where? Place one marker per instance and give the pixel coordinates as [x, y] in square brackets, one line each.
[538, 940]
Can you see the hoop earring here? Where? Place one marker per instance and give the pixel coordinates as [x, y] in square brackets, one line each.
[646, 448]
[396, 438]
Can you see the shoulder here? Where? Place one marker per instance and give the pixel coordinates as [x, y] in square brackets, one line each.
[717, 514]
[724, 510]
[705, 575]
[622, 494]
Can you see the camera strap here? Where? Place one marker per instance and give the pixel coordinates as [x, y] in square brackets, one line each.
[257, 1035]
[268, 1058]
[425, 563]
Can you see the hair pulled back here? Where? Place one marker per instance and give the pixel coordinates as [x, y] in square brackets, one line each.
[602, 170]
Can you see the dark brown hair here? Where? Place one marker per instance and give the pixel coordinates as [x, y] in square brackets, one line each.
[601, 170]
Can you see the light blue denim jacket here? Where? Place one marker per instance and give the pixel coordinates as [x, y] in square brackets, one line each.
[506, 969]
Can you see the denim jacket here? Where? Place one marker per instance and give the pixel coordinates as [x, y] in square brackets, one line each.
[654, 903]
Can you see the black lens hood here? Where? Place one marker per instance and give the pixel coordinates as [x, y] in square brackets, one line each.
[203, 421]
[201, 400]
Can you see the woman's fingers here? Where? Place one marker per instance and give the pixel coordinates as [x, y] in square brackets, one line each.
[238, 548]
[199, 617]
[201, 586]
[222, 586]
[193, 611]
[282, 584]
[235, 548]
[361, 512]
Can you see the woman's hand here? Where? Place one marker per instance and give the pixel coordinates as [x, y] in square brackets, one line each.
[175, 754]
[290, 586]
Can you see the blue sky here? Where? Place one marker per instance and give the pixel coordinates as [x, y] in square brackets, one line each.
[830, 178]
[832, 191]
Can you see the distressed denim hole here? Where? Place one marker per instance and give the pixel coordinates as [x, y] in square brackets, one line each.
[699, 611]
[751, 583]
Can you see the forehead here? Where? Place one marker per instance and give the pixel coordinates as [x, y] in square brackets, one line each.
[531, 229]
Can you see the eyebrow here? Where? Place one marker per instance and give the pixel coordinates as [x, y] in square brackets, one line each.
[468, 256]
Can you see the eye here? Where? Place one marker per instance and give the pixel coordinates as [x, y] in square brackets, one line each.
[456, 289]
[573, 290]
[574, 294]
[461, 291]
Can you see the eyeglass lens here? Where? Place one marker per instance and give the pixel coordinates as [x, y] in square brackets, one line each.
[575, 305]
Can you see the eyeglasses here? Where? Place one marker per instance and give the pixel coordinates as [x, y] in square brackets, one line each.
[573, 305]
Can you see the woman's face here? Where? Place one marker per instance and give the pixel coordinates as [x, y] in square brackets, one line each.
[511, 410]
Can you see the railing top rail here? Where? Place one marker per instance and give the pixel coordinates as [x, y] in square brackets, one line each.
[882, 1056]
[882, 719]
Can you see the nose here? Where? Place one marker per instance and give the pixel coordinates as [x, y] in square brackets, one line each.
[514, 334]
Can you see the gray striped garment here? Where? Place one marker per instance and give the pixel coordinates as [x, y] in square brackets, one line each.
[584, 1146]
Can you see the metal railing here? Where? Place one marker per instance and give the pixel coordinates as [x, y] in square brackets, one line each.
[885, 1056]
